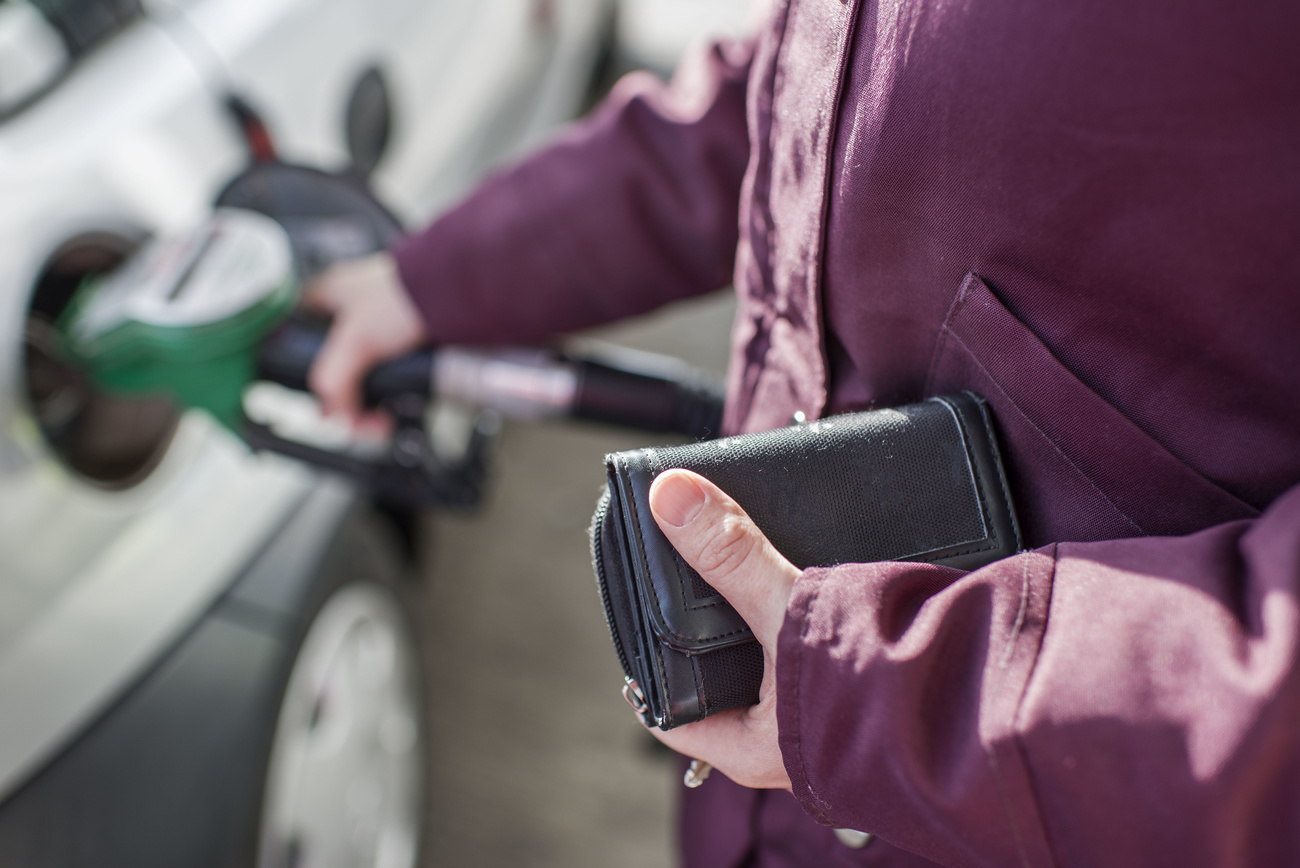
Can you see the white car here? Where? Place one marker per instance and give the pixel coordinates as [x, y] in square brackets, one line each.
[203, 655]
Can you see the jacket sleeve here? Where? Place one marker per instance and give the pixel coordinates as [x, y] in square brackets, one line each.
[1132, 702]
[634, 207]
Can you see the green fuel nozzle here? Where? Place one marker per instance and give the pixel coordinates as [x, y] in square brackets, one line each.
[200, 315]
[185, 316]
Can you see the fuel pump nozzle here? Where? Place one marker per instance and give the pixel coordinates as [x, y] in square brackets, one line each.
[635, 390]
[643, 391]
[201, 315]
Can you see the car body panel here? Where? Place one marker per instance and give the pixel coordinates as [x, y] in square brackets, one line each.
[466, 78]
[171, 774]
[99, 583]
[159, 571]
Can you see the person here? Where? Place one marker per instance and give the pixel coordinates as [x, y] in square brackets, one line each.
[1087, 212]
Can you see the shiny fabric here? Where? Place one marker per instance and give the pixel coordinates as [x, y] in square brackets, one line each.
[1088, 212]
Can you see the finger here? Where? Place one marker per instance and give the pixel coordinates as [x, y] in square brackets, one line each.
[374, 425]
[716, 537]
[745, 750]
[335, 376]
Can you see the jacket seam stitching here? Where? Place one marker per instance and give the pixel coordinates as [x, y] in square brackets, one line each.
[823, 809]
[817, 263]
[945, 330]
[1017, 740]
[1057, 449]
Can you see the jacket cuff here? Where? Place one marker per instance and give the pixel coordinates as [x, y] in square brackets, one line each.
[424, 267]
[791, 644]
[898, 686]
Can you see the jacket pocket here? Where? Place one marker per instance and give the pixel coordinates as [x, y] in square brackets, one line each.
[1079, 469]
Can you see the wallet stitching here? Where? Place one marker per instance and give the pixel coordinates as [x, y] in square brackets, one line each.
[653, 459]
[715, 600]
[725, 636]
[640, 538]
[1002, 480]
[656, 649]
[993, 537]
[663, 682]
[936, 560]
[976, 476]
[979, 488]
[700, 695]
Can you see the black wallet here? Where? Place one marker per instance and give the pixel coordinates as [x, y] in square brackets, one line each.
[917, 483]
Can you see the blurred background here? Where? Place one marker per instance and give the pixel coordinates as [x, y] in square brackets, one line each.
[212, 656]
[537, 759]
[652, 34]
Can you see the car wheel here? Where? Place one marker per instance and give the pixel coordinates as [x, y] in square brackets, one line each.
[345, 781]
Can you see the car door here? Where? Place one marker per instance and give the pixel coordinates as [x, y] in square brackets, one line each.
[453, 85]
[120, 521]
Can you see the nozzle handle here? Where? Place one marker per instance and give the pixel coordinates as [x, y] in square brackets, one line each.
[634, 391]
[286, 356]
[681, 401]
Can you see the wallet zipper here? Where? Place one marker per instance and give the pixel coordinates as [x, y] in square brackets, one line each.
[599, 559]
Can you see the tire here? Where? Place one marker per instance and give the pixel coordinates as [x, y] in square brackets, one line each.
[346, 780]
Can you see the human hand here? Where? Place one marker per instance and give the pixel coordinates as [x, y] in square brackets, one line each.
[374, 320]
[715, 536]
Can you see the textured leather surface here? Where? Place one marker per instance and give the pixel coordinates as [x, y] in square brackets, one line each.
[921, 482]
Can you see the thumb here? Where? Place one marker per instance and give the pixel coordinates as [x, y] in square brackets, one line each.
[716, 537]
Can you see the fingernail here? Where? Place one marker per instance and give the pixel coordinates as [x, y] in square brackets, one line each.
[697, 774]
[676, 499]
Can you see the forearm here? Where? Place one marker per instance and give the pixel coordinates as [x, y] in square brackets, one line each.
[1123, 702]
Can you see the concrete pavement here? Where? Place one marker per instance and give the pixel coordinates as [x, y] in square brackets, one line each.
[537, 761]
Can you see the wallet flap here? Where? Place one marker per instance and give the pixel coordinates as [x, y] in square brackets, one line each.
[920, 482]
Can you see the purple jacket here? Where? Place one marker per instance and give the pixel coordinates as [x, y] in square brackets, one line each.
[1087, 211]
